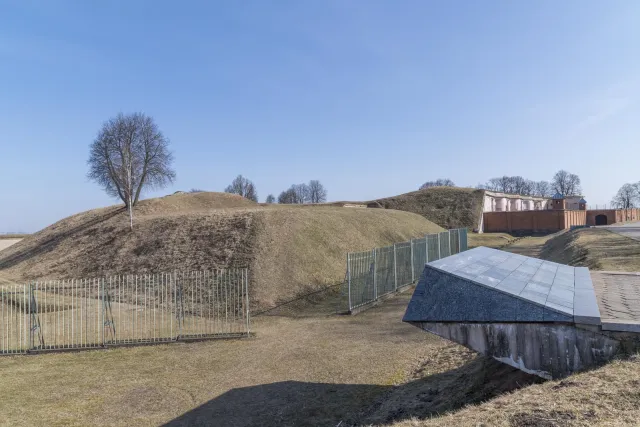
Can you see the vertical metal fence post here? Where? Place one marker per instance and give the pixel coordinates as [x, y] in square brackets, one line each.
[101, 298]
[30, 318]
[246, 290]
[459, 241]
[426, 248]
[412, 269]
[375, 284]
[349, 278]
[439, 254]
[395, 268]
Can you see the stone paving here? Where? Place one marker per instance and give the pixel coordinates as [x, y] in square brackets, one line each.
[618, 297]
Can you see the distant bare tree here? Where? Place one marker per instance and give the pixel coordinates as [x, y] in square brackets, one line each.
[243, 187]
[288, 197]
[446, 182]
[196, 190]
[296, 194]
[542, 189]
[317, 192]
[627, 197]
[130, 154]
[270, 199]
[566, 183]
[302, 193]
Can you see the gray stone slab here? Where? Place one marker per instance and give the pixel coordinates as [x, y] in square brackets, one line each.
[531, 295]
[528, 269]
[519, 275]
[585, 307]
[560, 308]
[541, 288]
[550, 315]
[512, 286]
[480, 277]
[626, 326]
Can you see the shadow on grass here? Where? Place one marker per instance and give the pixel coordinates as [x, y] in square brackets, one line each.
[293, 403]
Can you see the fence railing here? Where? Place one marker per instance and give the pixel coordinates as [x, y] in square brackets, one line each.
[76, 314]
[382, 271]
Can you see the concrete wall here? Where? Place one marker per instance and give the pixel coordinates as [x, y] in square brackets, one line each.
[546, 350]
[534, 221]
[613, 215]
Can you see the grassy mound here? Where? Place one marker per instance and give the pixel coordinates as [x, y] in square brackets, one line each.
[290, 250]
[449, 207]
[596, 248]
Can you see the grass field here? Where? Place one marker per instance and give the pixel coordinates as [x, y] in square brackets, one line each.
[490, 240]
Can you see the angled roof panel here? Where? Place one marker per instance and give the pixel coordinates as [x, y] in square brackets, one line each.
[484, 285]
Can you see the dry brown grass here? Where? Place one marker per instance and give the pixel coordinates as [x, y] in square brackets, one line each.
[316, 370]
[596, 248]
[608, 396]
[490, 240]
[290, 250]
[13, 236]
[449, 207]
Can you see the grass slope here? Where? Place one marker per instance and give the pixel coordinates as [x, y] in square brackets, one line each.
[449, 207]
[290, 250]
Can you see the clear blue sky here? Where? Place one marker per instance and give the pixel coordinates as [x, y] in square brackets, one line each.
[370, 97]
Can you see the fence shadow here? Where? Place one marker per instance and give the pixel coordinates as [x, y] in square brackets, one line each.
[293, 403]
[49, 244]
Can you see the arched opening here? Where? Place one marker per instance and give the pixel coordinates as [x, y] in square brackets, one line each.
[601, 219]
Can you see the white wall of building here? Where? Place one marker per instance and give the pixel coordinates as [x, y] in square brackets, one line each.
[501, 202]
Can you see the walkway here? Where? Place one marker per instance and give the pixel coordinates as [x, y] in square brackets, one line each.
[629, 229]
[618, 295]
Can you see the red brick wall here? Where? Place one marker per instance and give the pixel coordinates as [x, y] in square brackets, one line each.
[552, 220]
[613, 215]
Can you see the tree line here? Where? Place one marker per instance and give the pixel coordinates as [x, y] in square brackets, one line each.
[313, 192]
[563, 182]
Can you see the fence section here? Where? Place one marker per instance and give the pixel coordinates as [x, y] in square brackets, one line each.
[76, 314]
[382, 271]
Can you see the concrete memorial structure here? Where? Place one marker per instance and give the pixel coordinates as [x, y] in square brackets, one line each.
[538, 316]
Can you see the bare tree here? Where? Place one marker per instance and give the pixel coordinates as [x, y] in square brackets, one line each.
[288, 197]
[302, 193]
[446, 182]
[542, 189]
[317, 192]
[196, 190]
[627, 197]
[296, 194]
[243, 187]
[130, 154]
[565, 183]
[270, 199]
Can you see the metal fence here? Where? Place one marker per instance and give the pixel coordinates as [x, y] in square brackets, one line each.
[92, 313]
[382, 271]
